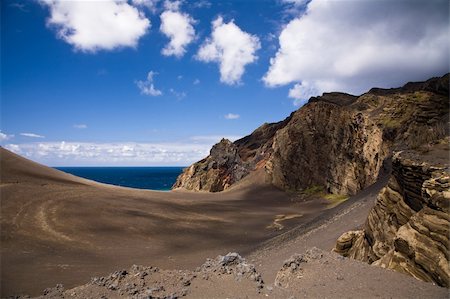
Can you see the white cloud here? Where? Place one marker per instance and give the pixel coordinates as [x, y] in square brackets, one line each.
[97, 25]
[80, 126]
[294, 8]
[301, 92]
[32, 135]
[178, 94]
[231, 48]
[147, 87]
[231, 116]
[201, 4]
[351, 46]
[150, 4]
[295, 2]
[173, 5]
[178, 28]
[4, 137]
[196, 81]
[19, 6]
[116, 154]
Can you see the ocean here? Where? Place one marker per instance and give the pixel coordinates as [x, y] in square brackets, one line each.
[154, 178]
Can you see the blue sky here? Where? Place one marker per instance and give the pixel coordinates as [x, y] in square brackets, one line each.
[74, 73]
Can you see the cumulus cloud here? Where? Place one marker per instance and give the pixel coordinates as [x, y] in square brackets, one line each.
[196, 81]
[231, 48]
[97, 25]
[351, 46]
[80, 126]
[173, 5]
[149, 4]
[119, 154]
[178, 94]
[201, 4]
[301, 92]
[231, 116]
[4, 137]
[178, 27]
[147, 87]
[32, 135]
[295, 3]
[19, 6]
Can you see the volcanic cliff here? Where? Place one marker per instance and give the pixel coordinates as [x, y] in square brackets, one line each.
[337, 141]
[342, 143]
[408, 228]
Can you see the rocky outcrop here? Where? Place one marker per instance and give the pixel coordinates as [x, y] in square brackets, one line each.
[229, 162]
[408, 228]
[218, 171]
[214, 279]
[338, 141]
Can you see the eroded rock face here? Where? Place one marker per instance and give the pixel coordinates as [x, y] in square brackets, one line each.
[337, 141]
[408, 228]
[328, 145]
[229, 162]
[217, 172]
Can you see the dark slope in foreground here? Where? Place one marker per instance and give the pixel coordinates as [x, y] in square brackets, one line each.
[56, 228]
[15, 169]
[337, 141]
[57, 231]
[57, 254]
[313, 274]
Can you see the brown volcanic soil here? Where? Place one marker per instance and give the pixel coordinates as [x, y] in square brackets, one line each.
[314, 274]
[57, 228]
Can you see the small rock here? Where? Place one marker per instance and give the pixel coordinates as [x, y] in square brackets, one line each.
[230, 258]
[184, 292]
[186, 283]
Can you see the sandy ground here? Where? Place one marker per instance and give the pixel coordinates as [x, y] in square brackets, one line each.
[60, 229]
[313, 274]
[57, 228]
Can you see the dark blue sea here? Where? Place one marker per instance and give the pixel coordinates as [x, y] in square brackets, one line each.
[154, 178]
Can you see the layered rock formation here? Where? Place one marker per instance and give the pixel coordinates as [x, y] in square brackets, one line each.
[337, 141]
[326, 144]
[216, 172]
[408, 228]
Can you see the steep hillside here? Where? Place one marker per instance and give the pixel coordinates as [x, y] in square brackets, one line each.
[337, 141]
[408, 228]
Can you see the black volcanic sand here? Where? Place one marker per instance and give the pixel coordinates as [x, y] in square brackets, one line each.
[60, 229]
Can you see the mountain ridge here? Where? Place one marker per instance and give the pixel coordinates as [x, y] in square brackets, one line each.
[338, 141]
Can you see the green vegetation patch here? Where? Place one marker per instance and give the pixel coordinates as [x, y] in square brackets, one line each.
[314, 189]
[420, 96]
[335, 199]
[391, 123]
